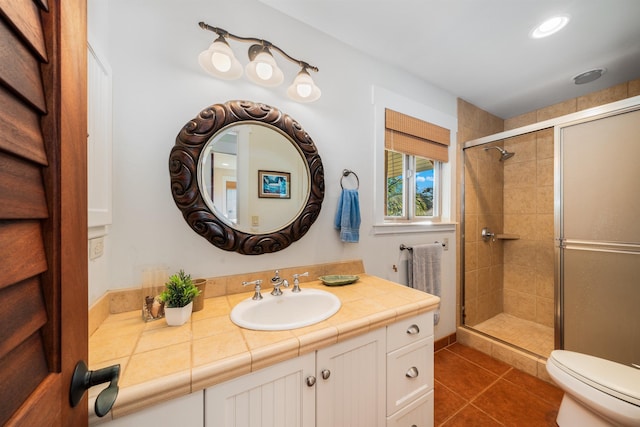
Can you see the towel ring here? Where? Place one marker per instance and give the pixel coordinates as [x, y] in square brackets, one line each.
[346, 173]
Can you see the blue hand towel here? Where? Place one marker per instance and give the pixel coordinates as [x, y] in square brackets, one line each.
[348, 216]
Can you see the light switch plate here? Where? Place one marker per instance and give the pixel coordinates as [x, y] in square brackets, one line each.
[96, 248]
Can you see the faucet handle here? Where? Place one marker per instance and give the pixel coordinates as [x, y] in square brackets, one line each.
[257, 295]
[296, 281]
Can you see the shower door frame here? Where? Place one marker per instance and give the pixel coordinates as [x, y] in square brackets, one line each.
[605, 110]
[561, 244]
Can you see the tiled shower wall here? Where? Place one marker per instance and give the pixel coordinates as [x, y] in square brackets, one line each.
[483, 202]
[513, 198]
[528, 213]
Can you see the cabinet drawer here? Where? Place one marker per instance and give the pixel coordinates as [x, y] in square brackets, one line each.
[409, 374]
[409, 330]
[417, 414]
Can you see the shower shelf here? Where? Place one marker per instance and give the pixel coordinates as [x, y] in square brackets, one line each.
[507, 236]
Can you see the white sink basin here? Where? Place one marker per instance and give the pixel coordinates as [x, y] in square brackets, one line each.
[287, 311]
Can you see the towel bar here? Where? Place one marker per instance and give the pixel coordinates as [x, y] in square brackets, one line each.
[346, 173]
[409, 248]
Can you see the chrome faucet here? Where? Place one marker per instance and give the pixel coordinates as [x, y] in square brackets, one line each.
[257, 295]
[296, 281]
[276, 287]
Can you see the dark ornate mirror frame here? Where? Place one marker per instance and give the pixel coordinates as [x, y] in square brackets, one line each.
[183, 164]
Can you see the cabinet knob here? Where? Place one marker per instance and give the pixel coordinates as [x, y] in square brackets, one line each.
[412, 373]
[311, 381]
[413, 329]
[325, 374]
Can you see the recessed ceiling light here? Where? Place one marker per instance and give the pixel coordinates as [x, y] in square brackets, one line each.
[589, 76]
[550, 26]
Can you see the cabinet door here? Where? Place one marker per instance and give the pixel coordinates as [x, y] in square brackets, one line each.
[351, 382]
[99, 140]
[276, 396]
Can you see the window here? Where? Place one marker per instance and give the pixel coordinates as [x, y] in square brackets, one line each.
[414, 152]
[410, 186]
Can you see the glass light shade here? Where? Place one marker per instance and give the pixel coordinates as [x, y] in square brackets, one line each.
[220, 61]
[264, 71]
[303, 89]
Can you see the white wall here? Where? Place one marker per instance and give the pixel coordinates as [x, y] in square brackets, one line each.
[152, 47]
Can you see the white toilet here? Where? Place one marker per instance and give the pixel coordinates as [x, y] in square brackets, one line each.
[598, 392]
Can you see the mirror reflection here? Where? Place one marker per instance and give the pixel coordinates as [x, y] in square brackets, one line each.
[246, 177]
[253, 177]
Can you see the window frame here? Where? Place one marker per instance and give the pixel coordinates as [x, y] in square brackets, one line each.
[384, 99]
[409, 192]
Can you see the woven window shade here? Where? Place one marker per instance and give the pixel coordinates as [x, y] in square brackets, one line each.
[413, 136]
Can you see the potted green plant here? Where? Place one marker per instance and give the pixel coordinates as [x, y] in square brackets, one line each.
[178, 298]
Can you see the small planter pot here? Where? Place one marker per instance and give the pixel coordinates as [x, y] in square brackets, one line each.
[198, 302]
[177, 316]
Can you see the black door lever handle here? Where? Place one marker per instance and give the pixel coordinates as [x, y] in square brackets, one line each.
[83, 379]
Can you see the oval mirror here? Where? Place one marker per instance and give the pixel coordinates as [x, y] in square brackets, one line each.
[246, 177]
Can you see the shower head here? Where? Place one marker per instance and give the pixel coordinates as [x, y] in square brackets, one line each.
[504, 153]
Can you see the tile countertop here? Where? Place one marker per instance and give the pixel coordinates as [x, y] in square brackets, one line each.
[159, 362]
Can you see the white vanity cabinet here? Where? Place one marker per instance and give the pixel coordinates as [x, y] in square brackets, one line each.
[383, 377]
[409, 372]
[341, 385]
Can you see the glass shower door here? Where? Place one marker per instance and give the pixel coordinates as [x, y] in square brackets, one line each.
[598, 232]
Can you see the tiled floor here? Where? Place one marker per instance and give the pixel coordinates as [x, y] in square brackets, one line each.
[473, 389]
[525, 334]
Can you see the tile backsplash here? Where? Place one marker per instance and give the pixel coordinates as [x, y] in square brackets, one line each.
[123, 300]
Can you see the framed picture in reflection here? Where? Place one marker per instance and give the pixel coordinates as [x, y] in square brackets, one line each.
[274, 185]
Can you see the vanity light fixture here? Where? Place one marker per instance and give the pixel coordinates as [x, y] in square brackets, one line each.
[262, 69]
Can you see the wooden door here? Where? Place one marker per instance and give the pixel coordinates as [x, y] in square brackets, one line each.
[43, 210]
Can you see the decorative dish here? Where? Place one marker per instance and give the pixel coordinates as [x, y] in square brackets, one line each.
[338, 280]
